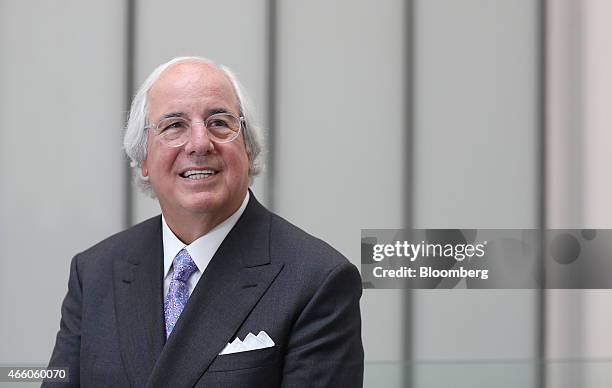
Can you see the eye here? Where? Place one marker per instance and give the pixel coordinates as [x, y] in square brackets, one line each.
[217, 123]
[171, 125]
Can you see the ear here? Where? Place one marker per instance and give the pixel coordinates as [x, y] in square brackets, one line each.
[143, 169]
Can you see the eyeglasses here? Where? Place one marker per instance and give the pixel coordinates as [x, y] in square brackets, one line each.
[176, 131]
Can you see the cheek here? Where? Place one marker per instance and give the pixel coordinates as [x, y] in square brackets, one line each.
[160, 162]
[243, 157]
[235, 157]
[237, 165]
[242, 164]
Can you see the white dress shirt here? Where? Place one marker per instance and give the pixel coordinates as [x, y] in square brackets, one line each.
[201, 250]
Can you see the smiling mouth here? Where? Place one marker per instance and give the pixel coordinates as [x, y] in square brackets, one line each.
[198, 174]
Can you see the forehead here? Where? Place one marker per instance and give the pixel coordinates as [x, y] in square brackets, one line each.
[191, 87]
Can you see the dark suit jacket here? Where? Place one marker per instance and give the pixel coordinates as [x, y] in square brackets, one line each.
[266, 275]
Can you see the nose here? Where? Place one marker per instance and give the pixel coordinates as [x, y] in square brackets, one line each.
[199, 142]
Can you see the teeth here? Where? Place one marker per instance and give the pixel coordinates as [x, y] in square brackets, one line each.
[198, 174]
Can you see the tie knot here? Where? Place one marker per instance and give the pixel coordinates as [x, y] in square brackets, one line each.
[184, 266]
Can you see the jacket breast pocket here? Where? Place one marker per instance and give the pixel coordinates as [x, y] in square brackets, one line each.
[245, 360]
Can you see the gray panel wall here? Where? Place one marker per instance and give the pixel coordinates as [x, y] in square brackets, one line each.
[61, 103]
[340, 130]
[476, 163]
[579, 84]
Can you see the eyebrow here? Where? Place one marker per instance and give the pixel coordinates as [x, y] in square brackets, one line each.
[173, 114]
[209, 112]
[214, 111]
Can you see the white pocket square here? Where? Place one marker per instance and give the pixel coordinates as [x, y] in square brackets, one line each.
[251, 342]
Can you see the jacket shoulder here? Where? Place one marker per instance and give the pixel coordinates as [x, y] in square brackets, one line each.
[121, 242]
[294, 246]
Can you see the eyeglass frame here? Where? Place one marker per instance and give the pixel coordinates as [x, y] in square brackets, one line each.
[241, 123]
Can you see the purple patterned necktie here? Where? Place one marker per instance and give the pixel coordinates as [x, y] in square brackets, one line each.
[178, 292]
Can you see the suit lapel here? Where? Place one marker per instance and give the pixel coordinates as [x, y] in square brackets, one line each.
[236, 278]
[138, 287]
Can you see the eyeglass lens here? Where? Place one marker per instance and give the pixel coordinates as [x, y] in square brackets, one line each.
[222, 128]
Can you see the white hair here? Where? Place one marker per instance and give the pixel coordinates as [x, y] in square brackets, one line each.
[135, 139]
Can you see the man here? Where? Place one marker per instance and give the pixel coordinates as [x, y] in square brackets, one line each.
[217, 291]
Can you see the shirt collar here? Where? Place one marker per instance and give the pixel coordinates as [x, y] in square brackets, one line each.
[203, 248]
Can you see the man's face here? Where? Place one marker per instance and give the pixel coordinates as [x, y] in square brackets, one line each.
[195, 90]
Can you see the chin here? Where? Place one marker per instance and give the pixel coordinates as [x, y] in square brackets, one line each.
[201, 205]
